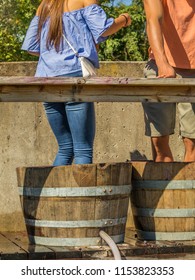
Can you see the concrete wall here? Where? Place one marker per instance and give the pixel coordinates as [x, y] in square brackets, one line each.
[26, 138]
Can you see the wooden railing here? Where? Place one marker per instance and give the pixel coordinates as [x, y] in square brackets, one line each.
[97, 89]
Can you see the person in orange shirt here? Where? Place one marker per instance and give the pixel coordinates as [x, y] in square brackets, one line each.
[171, 34]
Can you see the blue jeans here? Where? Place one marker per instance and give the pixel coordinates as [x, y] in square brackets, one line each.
[73, 124]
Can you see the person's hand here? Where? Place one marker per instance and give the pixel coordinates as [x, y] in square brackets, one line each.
[97, 47]
[166, 71]
[127, 19]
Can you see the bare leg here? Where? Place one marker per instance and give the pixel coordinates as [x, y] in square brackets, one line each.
[160, 149]
[189, 149]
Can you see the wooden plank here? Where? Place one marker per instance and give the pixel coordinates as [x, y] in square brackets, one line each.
[10, 251]
[158, 247]
[67, 252]
[96, 252]
[33, 252]
[24, 80]
[139, 250]
[164, 257]
[98, 89]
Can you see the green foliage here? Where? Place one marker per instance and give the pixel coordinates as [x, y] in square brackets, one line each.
[128, 44]
[15, 16]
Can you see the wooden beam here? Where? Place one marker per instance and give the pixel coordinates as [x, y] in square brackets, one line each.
[97, 89]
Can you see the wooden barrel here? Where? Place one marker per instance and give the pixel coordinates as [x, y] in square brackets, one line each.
[69, 205]
[163, 200]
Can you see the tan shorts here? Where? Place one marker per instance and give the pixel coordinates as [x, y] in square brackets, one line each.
[160, 117]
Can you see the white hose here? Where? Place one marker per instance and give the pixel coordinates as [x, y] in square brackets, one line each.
[111, 243]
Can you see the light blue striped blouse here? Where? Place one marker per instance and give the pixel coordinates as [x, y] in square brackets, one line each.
[83, 28]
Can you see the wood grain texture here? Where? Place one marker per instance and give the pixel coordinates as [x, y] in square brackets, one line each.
[8, 250]
[163, 198]
[64, 216]
[98, 89]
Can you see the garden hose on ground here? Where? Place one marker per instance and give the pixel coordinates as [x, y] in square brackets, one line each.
[111, 243]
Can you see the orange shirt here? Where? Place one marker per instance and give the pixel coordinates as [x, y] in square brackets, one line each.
[179, 32]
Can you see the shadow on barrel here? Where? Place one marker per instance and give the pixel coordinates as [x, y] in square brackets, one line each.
[31, 181]
[163, 200]
[70, 205]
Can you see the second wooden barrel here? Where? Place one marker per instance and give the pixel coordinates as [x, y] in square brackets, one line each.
[69, 205]
[163, 200]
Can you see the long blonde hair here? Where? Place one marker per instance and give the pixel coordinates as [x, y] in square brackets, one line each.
[54, 10]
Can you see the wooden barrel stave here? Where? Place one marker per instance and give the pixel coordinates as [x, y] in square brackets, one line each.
[94, 197]
[163, 200]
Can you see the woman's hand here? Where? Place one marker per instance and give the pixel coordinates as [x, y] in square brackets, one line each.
[127, 19]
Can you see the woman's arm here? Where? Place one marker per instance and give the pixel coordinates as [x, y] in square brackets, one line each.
[31, 43]
[33, 53]
[123, 20]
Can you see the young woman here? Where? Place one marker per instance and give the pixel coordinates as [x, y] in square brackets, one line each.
[84, 24]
